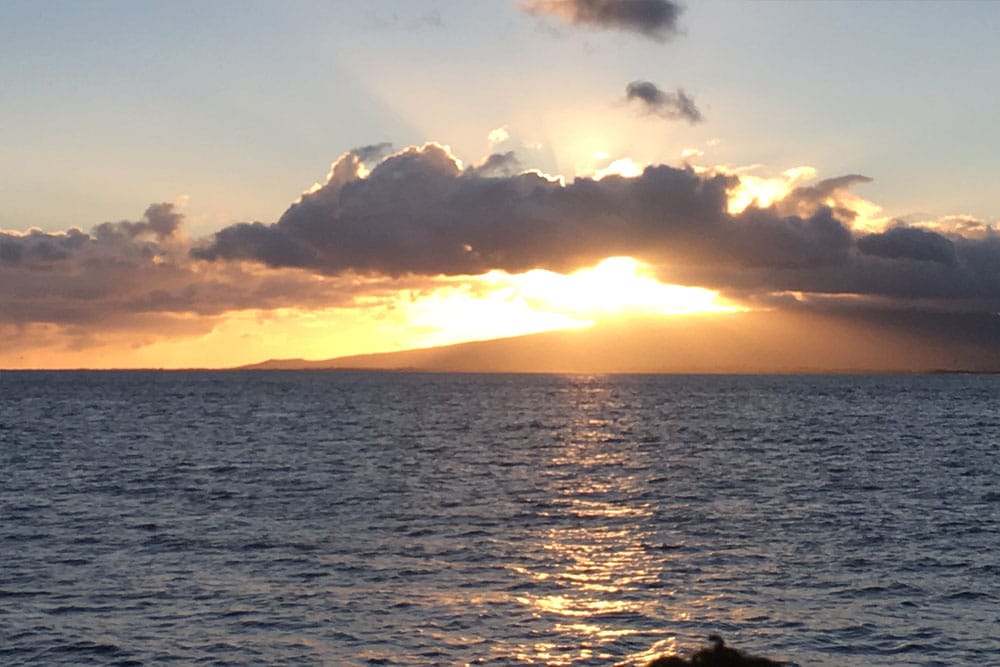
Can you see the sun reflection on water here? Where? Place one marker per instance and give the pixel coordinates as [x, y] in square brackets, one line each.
[594, 580]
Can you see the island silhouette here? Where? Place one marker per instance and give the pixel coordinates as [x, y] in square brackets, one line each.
[750, 342]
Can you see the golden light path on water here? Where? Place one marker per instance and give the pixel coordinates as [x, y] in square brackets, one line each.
[597, 557]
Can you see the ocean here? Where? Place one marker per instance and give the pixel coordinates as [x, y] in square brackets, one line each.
[350, 518]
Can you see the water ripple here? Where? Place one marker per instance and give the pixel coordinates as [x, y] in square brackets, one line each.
[342, 518]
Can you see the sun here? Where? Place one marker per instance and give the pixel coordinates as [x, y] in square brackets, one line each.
[499, 304]
[615, 286]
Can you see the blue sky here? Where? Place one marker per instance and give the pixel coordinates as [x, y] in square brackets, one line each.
[108, 106]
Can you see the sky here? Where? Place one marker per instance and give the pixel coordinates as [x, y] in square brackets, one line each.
[194, 184]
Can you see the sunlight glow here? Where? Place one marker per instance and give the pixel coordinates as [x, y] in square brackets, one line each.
[383, 316]
[499, 304]
[455, 314]
[869, 216]
[764, 191]
[623, 167]
[617, 285]
[499, 135]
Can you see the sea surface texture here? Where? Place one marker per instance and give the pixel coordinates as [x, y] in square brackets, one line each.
[269, 518]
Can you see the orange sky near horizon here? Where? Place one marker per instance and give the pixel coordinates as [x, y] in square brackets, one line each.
[456, 310]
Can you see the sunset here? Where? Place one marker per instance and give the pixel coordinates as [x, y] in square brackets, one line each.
[614, 324]
[163, 205]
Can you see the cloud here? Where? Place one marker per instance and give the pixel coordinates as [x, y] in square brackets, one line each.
[139, 276]
[657, 19]
[497, 165]
[676, 105]
[375, 226]
[971, 283]
[806, 199]
[419, 212]
[817, 194]
[37, 248]
[373, 153]
[910, 243]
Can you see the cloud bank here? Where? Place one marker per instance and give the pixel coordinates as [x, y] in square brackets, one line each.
[419, 212]
[139, 276]
[381, 222]
[657, 19]
[676, 105]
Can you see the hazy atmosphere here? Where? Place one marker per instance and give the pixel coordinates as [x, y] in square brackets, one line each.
[715, 186]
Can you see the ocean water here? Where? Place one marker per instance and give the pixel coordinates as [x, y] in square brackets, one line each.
[273, 518]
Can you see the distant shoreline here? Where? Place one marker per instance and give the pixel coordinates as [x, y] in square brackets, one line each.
[255, 368]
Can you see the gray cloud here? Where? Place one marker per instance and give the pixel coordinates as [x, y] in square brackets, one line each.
[676, 105]
[419, 213]
[654, 18]
[497, 164]
[806, 199]
[159, 221]
[971, 283]
[910, 243]
[36, 247]
[372, 153]
[138, 276]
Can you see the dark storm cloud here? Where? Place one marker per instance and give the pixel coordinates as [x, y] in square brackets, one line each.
[676, 105]
[654, 18]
